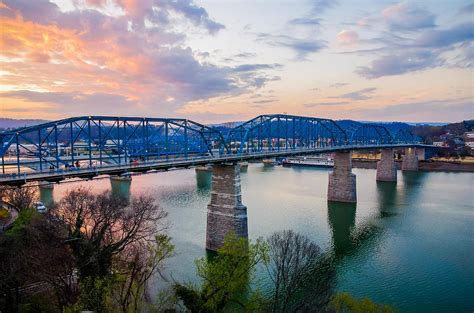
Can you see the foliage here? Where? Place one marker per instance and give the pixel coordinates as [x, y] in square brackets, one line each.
[4, 213]
[225, 278]
[302, 277]
[345, 303]
[31, 252]
[94, 252]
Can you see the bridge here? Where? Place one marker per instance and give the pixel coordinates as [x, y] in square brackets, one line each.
[88, 146]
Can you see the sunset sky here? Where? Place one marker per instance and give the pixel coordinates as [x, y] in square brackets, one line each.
[215, 61]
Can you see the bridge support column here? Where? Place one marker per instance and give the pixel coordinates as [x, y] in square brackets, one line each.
[421, 154]
[386, 168]
[410, 160]
[225, 212]
[342, 183]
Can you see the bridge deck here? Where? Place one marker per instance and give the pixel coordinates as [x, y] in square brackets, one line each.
[89, 172]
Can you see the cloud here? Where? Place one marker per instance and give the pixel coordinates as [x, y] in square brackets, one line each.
[191, 11]
[424, 51]
[401, 63]
[255, 67]
[92, 53]
[362, 94]
[436, 110]
[302, 47]
[447, 37]
[348, 37]
[407, 16]
[245, 55]
[320, 6]
[264, 101]
[338, 85]
[467, 9]
[305, 21]
[316, 104]
[74, 102]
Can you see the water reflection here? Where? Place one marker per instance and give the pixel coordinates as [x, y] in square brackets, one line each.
[46, 194]
[346, 237]
[387, 199]
[120, 186]
[341, 218]
[412, 181]
[203, 180]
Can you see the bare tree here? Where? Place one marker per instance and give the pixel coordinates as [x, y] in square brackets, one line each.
[110, 236]
[102, 226]
[21, 197]
[138, 263]
[301, 275]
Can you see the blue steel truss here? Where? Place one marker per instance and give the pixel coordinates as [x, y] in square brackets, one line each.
[367, 134]
[284, 132]
[104, 141]
[405, 136]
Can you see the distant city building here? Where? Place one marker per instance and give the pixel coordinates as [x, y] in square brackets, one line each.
[469, 136]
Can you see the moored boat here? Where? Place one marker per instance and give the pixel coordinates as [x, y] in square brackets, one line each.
[309, 161]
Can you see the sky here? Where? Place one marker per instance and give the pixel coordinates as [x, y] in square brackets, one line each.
[222, 60]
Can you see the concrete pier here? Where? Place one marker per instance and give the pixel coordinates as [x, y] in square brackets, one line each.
[342, 183]
[386, 168]
[410, 160]
[225, 212]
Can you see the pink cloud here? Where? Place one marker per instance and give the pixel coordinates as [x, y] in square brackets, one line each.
[348, 38]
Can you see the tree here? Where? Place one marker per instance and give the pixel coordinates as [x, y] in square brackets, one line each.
[22, 197]
[136, 266]
[302, 277]
[33, 252]
[100, 228]
[225, 278]
[345, 303]
[464, 152]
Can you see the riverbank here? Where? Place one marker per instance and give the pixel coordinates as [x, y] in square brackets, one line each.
[429, 166]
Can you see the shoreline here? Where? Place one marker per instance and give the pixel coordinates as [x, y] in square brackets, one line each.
[428, 166]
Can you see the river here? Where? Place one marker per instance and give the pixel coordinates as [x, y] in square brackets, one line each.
[410, 244]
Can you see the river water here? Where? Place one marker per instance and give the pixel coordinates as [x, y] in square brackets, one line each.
[410, 244]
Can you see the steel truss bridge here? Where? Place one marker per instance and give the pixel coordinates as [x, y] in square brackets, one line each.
[88, 146]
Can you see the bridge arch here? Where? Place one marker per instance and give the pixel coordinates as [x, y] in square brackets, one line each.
[404, 136]
[282, 131]
[367, 134]
[108, 140]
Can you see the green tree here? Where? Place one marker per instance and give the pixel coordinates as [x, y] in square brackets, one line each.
[225, 277]
[345, 303]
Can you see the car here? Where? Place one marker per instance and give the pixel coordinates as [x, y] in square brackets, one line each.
[40, 207]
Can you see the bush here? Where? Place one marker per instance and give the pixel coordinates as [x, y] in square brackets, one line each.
[345, 303]
[4, 213]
